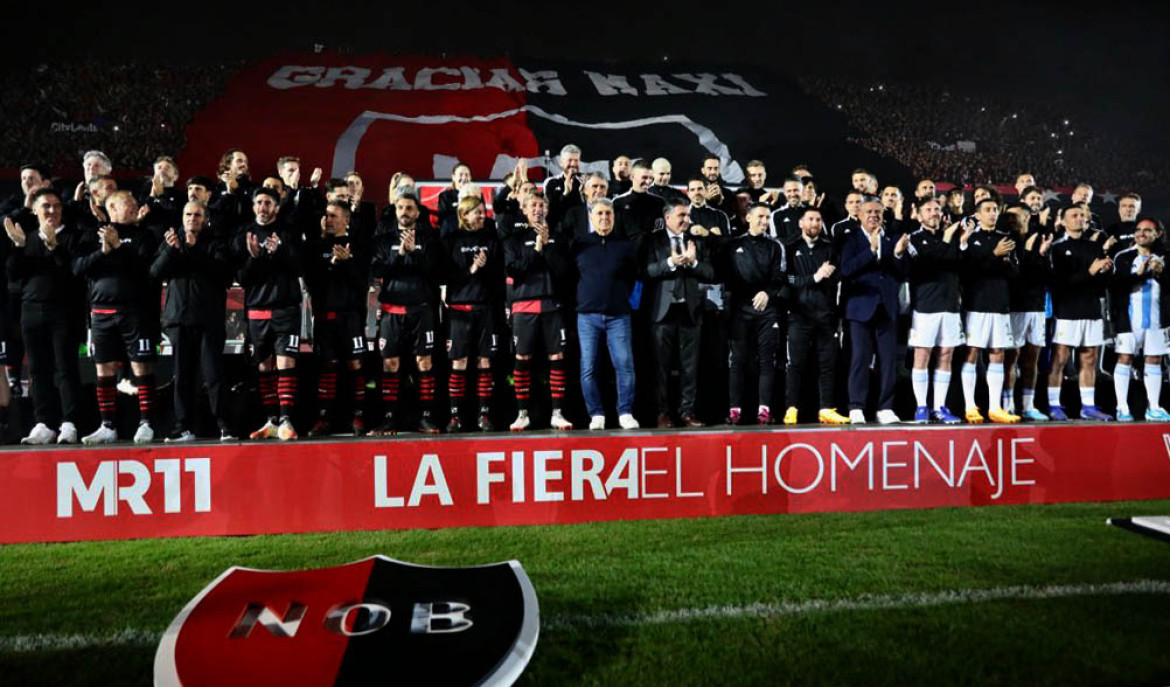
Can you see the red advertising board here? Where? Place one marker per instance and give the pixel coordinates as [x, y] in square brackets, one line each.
[134, 492]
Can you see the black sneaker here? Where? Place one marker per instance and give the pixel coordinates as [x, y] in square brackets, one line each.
[180, 436]
[388, 428]
[321, 429]
[485, 423]
[427, 426]
[225, 434]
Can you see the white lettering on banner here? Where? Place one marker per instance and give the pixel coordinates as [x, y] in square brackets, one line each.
[800, 468]
[429, 480]
[890, 457]
[106, 487]
[466, 78]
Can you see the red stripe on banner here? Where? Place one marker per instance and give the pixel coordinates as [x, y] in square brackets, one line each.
[129, 492]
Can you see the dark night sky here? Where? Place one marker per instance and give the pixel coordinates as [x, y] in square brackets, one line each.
[1115, 54]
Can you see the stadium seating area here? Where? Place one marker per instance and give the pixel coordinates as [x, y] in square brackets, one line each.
[920, 125]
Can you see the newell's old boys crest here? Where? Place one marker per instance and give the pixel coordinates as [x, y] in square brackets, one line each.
[371, 622]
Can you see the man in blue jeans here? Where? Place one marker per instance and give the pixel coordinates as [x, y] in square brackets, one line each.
[607, 265]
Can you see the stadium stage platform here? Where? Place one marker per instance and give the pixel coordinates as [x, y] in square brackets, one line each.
[125, 491]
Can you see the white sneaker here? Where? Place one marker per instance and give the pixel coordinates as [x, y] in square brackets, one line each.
[888, 417]
[67, 434]
[857, 416]
[597, 422]
[145, 433]
[559, 422]
[127, 387]
[40, 435]
[521, 422]
[286, 431]
[268, 431]
[104, 435]
[627, 421]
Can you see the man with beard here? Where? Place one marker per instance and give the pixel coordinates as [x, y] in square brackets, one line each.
[784, 222]
[812, 296]
[536, 263]
[405, 259]
[754, 264]
[873, 265]
[116, 261]
[196, 266]
[52, 320]
[1140, 316]
[474, 274]
[718, 195]
[1080, 273]
[703, 214]
[337, 277]
[992, 265]
[234, 185]
[564, 191]
[675, 267]
[934, 298]
[268, 253]
[1032, 200]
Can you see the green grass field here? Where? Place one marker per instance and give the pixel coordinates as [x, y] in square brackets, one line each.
[1021, 595]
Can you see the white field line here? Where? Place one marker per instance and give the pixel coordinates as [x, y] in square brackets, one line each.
[143, 638]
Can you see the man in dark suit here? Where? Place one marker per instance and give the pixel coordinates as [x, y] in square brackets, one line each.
[674, 266]
[873, 266]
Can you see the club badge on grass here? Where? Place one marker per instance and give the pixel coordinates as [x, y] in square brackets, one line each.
[373, 621]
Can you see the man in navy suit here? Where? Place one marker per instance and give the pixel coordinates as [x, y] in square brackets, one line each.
[872, 267]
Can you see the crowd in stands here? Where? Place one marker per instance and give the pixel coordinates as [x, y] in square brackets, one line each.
[921, 126]
[131, 110]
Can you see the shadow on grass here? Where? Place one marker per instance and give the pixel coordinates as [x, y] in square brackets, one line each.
[577, 655]
[109, 666]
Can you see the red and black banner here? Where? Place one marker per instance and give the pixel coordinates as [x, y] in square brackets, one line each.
[384, 113]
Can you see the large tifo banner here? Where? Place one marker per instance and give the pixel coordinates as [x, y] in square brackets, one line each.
[130, 492]
[385, 113]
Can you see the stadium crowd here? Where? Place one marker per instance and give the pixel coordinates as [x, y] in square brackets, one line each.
[922, 126]
[788, 277]
[129, 109]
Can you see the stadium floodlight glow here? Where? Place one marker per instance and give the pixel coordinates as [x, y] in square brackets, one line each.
[1060, 152]
[1066, 122]
[1014, 115]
